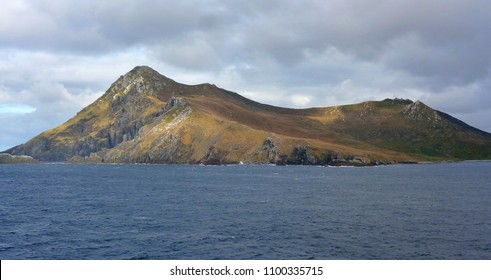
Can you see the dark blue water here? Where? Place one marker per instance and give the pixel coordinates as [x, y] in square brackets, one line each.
[429, 211]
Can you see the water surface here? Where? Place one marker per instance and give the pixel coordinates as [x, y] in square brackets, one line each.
[425, 211]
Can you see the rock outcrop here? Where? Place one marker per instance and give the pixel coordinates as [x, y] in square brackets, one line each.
[10, 159]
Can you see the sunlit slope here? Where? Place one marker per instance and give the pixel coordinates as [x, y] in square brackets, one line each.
[145, 117]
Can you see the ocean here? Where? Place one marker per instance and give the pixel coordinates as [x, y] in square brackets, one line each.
[131, 211]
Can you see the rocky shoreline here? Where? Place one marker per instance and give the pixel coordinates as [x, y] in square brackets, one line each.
[10, 159]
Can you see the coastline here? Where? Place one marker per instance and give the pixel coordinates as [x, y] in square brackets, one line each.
[29, 160]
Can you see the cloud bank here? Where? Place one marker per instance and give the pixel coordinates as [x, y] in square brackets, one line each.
[58, 56]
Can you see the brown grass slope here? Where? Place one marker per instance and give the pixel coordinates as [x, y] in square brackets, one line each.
[145, 117]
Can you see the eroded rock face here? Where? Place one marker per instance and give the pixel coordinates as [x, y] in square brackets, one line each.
[420, 112]
[269, 153]
[130, 103]
[10, 159]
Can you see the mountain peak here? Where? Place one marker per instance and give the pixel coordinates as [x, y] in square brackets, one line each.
[398, 101]
[141, 80]
[144, 72]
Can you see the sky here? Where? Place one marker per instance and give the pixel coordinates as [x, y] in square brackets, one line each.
[57, 57]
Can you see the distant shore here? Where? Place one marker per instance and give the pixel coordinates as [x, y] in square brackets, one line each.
[13, 159]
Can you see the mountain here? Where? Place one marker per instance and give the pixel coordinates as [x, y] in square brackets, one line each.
[145, 117]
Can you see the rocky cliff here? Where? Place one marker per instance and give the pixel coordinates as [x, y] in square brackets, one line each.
[10, 159]
[145, 117]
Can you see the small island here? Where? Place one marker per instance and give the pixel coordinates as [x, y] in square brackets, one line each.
[145, 117]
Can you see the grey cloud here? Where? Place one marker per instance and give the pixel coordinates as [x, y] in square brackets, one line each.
[437, 40]
[102, 26]
[467, 99]
[443, 41]
[195, 51]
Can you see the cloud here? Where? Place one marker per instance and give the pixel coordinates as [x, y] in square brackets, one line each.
[301, 100]
[470, 98]
[437, 66]
[16, 109]
[194, 53]
[63, 54]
